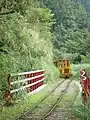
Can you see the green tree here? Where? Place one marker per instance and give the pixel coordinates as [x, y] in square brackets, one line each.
[25, 39]
[70, 29]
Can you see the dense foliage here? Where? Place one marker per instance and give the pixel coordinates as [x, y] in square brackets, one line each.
[25, 39]
[85, 3]
[31, 31]
[71, 29]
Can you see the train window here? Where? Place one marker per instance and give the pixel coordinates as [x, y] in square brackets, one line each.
[67, 63]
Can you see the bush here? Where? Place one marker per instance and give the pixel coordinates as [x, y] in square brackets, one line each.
[26, 42]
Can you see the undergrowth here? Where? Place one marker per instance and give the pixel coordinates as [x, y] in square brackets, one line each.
[78, 109]
[24, 104]
[81, 111]
[26, 42]
[75, 69]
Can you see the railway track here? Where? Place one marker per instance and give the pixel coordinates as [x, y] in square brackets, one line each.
[39, 102]
[30, 115]
[56, 103]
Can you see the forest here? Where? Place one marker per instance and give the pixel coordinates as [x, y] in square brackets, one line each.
[35, 33]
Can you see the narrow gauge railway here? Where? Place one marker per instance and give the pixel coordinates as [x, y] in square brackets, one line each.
[64, 68]
[56, 103]
[35, 105]
[28, 115]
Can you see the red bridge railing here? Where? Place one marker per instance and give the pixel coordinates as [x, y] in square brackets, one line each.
[32, 82]
[26, 80]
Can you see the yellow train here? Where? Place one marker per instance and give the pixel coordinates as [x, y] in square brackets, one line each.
[64, 68]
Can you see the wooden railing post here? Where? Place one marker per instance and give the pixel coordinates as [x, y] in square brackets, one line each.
[7, 95]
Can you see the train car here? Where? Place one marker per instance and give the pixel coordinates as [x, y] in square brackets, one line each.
[64, 68]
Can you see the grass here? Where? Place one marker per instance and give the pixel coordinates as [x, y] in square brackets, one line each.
[75, 68]
[70, 96]
[12, 112]
[78, 109]
[81, 111]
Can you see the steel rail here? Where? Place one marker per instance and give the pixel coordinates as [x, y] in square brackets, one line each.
[56, 103]
[45, 97]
